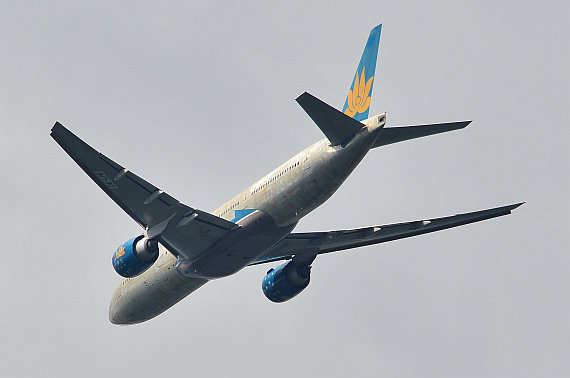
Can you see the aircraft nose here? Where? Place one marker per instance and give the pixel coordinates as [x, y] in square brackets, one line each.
[113, 319]
[121, 313]
[114, 314]
[118, 317]
[117, 313]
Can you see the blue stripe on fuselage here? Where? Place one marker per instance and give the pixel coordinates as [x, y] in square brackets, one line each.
[239, 214]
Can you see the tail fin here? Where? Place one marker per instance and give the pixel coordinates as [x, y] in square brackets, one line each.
[359, 96]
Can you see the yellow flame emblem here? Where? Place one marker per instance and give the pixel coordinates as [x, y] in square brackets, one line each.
[358, 99]
[120, 252]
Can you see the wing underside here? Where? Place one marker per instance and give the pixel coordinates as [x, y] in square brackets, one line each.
[305, 246]
[183, 230]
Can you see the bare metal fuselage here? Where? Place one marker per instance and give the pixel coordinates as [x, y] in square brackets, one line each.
[281, 199]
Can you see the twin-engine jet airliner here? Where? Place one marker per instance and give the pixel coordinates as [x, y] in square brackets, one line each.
[181, 248]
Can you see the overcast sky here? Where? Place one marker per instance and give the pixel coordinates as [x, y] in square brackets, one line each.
[198, 98]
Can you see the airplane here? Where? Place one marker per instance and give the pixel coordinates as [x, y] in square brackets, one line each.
[181, 248]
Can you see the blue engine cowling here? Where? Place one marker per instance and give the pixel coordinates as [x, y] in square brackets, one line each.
[286, 281]
[135, 256]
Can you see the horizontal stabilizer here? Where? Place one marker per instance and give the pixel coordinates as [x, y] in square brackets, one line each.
[398, 134]
[337, 126]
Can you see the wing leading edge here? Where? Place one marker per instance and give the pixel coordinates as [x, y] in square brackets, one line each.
[305, 246]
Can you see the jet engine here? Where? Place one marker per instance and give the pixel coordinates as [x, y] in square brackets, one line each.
[135, 256]
[286, 281]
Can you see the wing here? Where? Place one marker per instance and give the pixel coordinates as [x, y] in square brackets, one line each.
[182, 229]
[305, 246]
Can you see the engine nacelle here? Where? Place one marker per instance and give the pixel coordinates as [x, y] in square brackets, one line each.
[286, 281]
[135, 256]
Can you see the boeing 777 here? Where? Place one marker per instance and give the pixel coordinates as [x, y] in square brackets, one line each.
[181, 248]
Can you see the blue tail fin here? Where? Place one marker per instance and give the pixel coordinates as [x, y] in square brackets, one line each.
[360, 94]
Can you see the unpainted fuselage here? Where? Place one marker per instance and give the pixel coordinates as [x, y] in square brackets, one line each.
[279, 200]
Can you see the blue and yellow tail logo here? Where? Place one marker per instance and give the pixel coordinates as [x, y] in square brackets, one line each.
[358, 100]
[360, 94]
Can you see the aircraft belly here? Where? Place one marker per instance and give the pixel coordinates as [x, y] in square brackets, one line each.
[257, 233]
[143, 297]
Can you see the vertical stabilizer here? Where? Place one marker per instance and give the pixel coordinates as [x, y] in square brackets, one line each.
[357, 102]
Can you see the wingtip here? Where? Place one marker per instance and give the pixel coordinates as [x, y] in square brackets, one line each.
[519, 204]
[304, 94]
[516, 205]
[55, 126]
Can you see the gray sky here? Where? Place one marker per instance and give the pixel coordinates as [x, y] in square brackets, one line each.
[199, 100]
